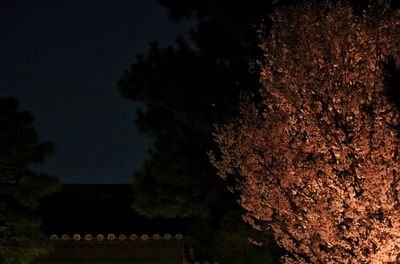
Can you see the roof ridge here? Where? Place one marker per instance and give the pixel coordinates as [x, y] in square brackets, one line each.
[111, 237]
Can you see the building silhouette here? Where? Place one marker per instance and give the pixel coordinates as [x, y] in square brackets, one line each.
[94, 224]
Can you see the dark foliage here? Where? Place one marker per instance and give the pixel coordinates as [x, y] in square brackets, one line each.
[185, 91]
[20, 186]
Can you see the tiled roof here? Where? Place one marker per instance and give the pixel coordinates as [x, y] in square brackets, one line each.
[80, 220]
[112, 237]
[109, 248]
[100, 208]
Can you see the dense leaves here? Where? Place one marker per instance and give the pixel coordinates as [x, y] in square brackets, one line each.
[316, 160]
[185, 90]
[20, 186]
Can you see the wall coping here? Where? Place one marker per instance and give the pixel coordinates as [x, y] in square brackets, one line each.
[112, 237]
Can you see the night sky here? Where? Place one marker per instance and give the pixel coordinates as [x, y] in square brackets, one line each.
[62, 60]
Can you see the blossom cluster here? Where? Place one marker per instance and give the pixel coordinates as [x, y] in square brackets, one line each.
[317, 161]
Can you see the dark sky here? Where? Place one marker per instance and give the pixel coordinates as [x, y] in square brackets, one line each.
[62, 59]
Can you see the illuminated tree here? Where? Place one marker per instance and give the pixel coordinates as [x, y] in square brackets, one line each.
[315, 154]
[21, 188]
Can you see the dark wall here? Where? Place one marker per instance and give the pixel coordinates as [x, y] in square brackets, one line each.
[116, 252]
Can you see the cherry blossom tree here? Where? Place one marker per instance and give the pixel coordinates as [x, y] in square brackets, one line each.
[314, 154]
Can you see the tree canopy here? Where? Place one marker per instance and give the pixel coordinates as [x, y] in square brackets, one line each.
[185, 90]
[314, 155]
[21, 187]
